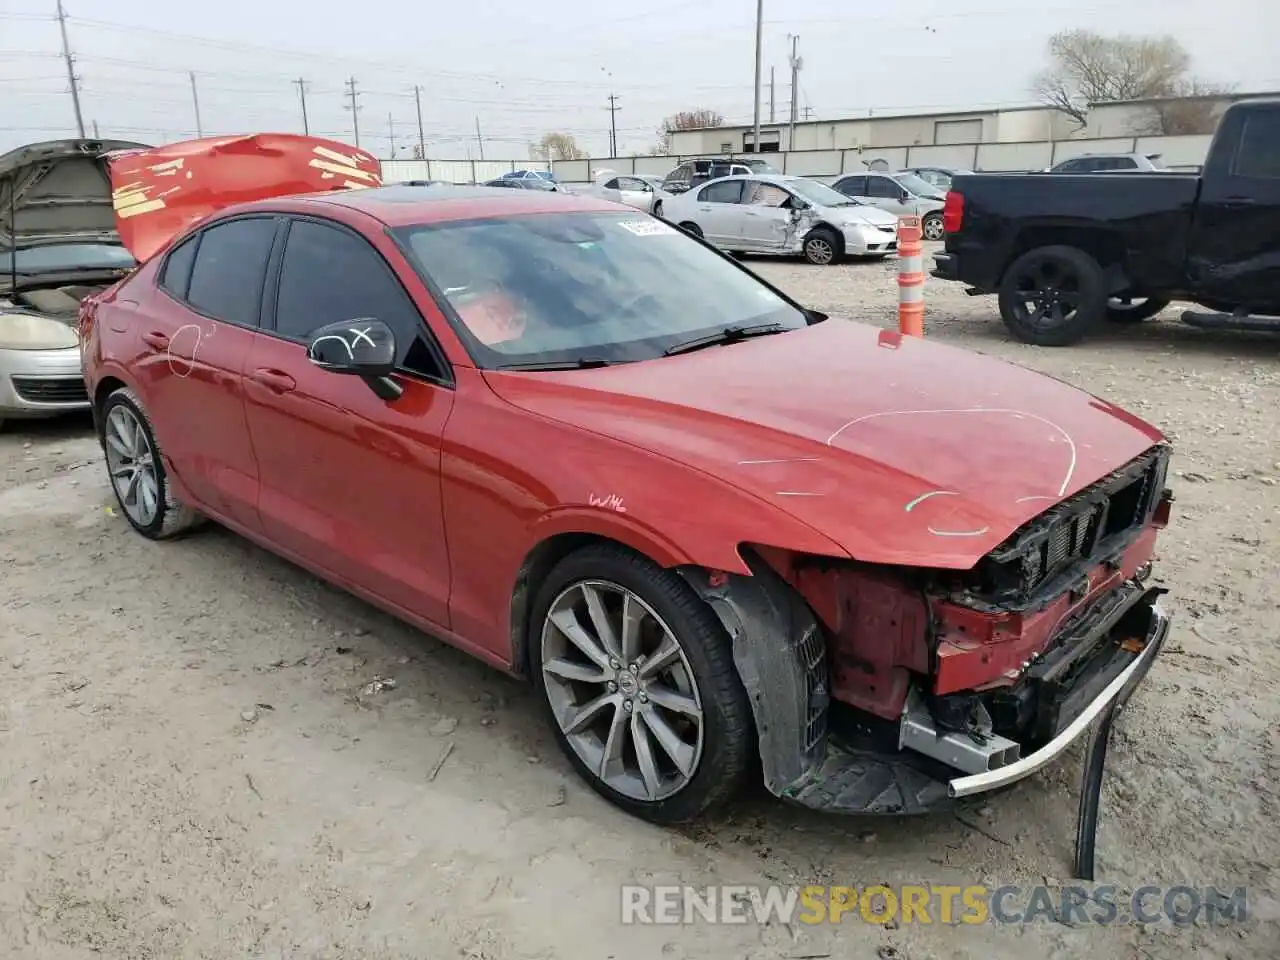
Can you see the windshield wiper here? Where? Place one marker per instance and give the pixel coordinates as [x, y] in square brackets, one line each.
[730, 334]
[583, 363]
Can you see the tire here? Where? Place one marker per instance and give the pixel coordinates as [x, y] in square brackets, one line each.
[167, 518]
[692, 229]
[719, 750]
[932, 227]
[1067, 287]
[657, 209]
[1118, 311]
[823, 247]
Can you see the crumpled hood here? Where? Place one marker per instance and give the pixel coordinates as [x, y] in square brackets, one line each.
[901, 450]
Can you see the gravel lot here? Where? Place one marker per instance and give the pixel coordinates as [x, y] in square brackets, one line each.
[193, 762]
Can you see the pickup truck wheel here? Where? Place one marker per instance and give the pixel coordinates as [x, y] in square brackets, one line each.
[1134, 309]
[823, 247]
[1053, 296]
[932, 227]
[636, 675]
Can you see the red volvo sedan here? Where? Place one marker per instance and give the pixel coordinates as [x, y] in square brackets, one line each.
[724, 535]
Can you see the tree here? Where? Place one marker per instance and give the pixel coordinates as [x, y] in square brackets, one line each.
[686, 120]
[557, 146]
[1087, 67]
[1195, 110]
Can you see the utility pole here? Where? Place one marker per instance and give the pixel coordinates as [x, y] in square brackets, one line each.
[808, 111]
[354, 108]
[71, 70]
[195, 101]
[772, 117]
[796, 64]
[479, 139]
[301, 84]
[613, 125]
[422, 140]
[391, 134]
[755, 143]
[96, 135]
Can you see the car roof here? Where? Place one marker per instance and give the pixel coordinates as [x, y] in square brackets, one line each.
[398, 205]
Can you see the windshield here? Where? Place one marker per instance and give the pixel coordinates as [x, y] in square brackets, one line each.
[68, 256]
[818, 194]
[760, 166]
[585, 286]
[917, 186]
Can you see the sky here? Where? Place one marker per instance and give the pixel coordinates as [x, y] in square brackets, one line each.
[522, 69]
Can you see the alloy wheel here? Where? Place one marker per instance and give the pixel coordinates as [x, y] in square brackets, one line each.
[819, 250]
[1048, 293]
[622, 691]
[933, 229]
[131, 463]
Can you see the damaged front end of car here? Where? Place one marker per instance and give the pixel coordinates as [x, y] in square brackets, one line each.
[892, 690]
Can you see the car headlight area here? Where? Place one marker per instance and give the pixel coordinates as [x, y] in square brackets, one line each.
[26, 331]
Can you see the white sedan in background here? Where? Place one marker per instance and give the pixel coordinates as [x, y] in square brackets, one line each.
[637, 190]
[774, 213]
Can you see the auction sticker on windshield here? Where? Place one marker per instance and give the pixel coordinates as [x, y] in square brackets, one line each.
[647, 228]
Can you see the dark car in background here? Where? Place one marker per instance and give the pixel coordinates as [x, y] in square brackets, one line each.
[693, 173]
[522, 183]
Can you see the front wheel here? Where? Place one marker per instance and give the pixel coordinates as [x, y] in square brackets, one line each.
[823, 247]
[1134, 309]
[657, 209]
[692, 229]
[1053, 296]
[933, 227]
[136, 470]
[636, 676]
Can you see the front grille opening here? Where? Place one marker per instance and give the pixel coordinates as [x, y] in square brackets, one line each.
[51, 389]
[1088, 525]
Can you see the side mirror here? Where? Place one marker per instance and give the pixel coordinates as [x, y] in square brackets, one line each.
[364, 347]
[905, 196]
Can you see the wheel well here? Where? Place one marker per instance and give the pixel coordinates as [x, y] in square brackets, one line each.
[106, 387]
[537, 565]
[1105, 246]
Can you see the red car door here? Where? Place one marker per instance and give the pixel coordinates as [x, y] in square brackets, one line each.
[196, 329]
[350, 483]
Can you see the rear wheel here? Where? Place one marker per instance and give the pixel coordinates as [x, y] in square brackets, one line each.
[1053, 296]
[636, 676]
[823, 247]
[692, 229]
[932, 227]
[1134, 309]
[136, 470]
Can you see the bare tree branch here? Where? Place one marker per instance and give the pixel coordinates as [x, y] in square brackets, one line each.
[686, 120]
[557, 146]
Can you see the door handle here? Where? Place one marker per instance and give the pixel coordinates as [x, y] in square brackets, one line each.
[1240, 202]
[154, 338]
[274, 380]
[705, 209]
[751, 213]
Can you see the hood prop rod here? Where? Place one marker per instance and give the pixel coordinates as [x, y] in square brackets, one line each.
[13, 234]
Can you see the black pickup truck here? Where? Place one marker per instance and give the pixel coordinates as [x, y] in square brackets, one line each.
[1065, 252]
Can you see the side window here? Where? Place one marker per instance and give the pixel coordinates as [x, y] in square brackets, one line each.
[328, 275]
[612, 184]
[883, 187]
[632, 184]
[226, 281]
[1258, 155]
[1071, 166]
[766, 195]
[177, 268]
[853, 186]
[725, 191]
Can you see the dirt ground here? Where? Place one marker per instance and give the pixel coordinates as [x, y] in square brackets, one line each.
[193, 761]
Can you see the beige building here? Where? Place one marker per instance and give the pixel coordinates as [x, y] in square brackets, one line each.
[1010, 125]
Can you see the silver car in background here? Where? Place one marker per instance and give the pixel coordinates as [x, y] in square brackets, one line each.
[639, 190]
[774, 213]
[901, 194]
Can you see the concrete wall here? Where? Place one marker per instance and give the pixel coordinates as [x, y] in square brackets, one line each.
[457, 171]
[1177, 152]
